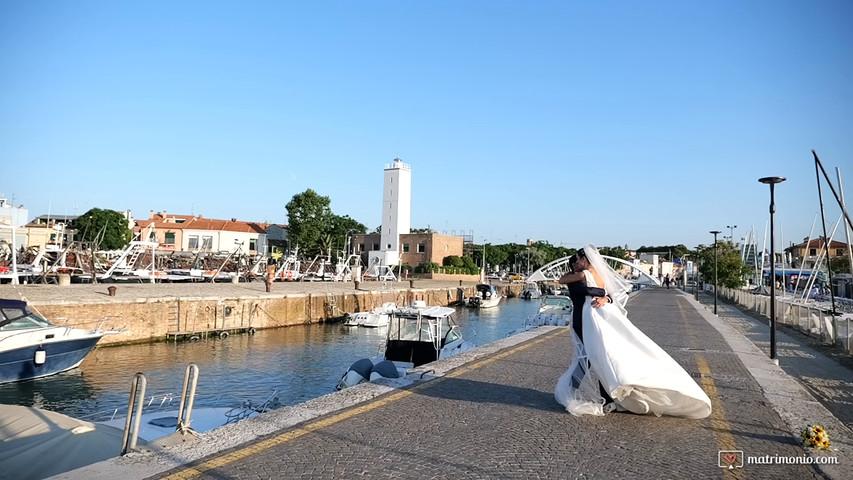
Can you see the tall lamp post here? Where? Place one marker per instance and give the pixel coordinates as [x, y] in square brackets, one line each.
[772, 181]
[731, 232]
[715, 232]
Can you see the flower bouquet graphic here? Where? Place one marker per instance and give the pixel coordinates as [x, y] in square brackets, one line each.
[730, 459]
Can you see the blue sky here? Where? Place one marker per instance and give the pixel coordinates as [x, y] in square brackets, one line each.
[638, 123]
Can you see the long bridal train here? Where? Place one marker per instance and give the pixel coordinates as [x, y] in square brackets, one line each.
[637, 373]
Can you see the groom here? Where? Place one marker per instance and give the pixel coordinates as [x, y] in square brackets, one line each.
[578, 291]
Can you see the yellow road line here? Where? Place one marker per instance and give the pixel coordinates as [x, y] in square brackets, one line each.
[255, 448]
[719, 423]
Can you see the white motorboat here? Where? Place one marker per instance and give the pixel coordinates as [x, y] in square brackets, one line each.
[487, 296]
[32, 347]
[40, 443]
[554, 310]
[44, 443]
[378, 317]
[416, 335]
[531, 291]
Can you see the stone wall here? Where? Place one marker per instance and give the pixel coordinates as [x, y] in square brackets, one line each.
[153, 319]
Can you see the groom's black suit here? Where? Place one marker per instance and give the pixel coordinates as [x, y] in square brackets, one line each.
[578, 291]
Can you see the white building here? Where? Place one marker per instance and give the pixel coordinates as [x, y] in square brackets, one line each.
[396, 214]
[12, 215]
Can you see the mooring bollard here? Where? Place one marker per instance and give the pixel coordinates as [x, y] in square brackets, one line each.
[357, 284]
[411, 284]
[112, 291]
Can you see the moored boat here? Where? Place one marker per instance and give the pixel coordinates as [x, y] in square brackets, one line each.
[531, 291]
[416, 335]
[487, 296]
[31, 347]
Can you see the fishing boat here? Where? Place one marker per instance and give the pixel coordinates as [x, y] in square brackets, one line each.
[416, 335]
[32, 347]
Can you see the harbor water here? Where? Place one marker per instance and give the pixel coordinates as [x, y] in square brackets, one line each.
[293, 364]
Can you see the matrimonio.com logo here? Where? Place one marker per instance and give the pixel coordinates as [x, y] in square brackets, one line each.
[730, 459]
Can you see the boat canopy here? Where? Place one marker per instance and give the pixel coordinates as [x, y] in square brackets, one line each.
[11, 310]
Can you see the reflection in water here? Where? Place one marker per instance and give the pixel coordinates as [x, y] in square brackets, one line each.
[298, 363]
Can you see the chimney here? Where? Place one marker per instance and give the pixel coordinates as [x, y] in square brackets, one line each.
[233, 219]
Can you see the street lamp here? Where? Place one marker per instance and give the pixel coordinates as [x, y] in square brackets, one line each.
[731, 232]
[772, 181]
[715, 232]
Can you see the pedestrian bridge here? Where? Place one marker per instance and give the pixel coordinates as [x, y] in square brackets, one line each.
[556, 269]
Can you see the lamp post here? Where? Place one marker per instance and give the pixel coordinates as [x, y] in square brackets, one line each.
[772, 181]
[731, 232]
[715, 232]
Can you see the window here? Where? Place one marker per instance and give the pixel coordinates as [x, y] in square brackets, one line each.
[405, 248]
[207, 241]
[170, 238]
[375, 246]
[361, 247]
[193, 242]
[253, 244]
[812, 252]
[388, 247]
[152, 237]
[421, 247]
[839, 252]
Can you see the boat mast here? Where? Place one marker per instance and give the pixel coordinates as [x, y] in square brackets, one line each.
[818, 168]
[846, 226]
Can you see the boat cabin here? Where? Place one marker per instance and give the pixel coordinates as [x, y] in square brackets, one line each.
[417, 335]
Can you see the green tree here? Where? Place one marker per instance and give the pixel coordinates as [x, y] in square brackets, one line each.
[615, 252]
[341, 229]
[453, 261]
[668, 251]
[730, 268]
[840, 264]
[107, 229]
[308, 219]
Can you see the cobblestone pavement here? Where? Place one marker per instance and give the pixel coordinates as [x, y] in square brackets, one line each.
[492, 414]
[826, 372]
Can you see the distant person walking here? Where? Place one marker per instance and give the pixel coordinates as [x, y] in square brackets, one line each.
[667, 281]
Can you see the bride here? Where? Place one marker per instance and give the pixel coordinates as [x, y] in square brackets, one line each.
[639, 375]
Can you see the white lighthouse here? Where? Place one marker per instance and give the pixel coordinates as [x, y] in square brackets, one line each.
[396, 216]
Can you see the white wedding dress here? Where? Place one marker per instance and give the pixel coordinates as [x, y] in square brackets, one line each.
[639, 375]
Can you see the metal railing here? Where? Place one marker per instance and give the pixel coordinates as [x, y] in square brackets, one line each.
[806, 316]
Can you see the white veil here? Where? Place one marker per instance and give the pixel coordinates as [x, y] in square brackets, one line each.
[614, 284]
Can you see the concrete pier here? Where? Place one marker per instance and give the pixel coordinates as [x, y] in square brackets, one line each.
[490, 413]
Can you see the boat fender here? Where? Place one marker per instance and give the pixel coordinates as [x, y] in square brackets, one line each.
[223, 334]
[251, 330]
[385, 368]
[41, 356]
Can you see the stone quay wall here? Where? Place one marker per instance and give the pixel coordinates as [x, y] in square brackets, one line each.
[145, 313]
